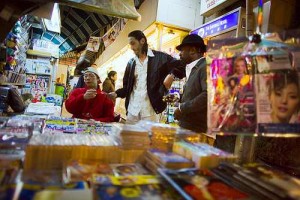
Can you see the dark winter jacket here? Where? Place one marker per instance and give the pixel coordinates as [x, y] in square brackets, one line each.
[159, 67]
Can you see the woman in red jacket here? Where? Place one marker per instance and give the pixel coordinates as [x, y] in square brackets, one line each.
[90, 102]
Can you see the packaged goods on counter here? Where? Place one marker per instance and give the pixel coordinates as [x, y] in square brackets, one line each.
[130, 187]
[201, 184]
[163, 136]
[260, 180]
[167, 159]
[132, 136]
[203, 155]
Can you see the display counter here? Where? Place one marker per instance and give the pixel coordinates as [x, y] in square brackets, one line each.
[73, 158]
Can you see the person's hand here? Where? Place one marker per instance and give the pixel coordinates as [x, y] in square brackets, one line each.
[112, 95]
[168, 81]
[177, 114]
[90, 94]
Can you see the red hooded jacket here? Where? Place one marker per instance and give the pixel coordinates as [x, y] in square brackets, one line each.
[101, 108]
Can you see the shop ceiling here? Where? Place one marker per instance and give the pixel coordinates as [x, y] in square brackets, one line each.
[80, 19]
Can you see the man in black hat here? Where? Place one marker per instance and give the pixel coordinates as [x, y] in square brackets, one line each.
[192, 111]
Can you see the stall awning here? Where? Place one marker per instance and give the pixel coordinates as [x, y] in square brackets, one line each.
[76, 28]
[80, 19]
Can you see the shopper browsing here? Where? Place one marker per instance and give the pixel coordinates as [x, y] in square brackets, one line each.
[192, 111]
[109, 83]
[90, 102]
[143, 80]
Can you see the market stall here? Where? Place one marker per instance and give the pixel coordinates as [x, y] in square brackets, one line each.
[46, 156]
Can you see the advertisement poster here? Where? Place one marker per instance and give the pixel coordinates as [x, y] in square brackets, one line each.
[93, 44]
[112, 34]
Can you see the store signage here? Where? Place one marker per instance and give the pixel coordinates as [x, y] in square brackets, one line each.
[219, 25]
[207, 5]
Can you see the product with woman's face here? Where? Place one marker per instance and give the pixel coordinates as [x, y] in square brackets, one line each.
[285, 99]
[240, 67]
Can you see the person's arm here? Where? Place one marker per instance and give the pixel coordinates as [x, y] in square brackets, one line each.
[15, 100]
[175, 67]
[122, 92]
[199, 103]
[171, 69]
[108, 111]
[74, 102]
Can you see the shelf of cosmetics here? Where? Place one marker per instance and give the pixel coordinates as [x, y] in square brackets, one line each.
[95, 179]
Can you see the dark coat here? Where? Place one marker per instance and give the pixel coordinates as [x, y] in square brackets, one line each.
[159, 67]
[194, 100]
[108, 85]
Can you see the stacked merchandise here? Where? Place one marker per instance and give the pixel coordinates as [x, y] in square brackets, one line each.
[84, 170]
[203, 155]
[16, 44]
[15, 134]
[125, 178]
[132, 136]
[59, 125]
[155, 159]
[92, 127]
[49, 151]
[163, 135]
[42, 108]
[260, 180]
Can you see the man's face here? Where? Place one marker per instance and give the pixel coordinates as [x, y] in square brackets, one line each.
[135, 45]
[91, 80]
[185, 54]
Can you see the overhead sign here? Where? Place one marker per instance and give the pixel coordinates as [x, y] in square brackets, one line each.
[222, 24]
[207, 5]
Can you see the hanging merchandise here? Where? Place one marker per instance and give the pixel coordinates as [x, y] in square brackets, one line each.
[231, 100]
[113, 33]
[254, 87]
[93, 44]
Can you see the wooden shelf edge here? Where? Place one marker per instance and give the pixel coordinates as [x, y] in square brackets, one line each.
[17, 84]
[38, 53]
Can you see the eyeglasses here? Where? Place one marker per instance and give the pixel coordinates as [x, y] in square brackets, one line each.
[89, 75]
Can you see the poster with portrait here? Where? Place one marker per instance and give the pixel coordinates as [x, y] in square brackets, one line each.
[278, 101]
[93, 44]
[231, 97]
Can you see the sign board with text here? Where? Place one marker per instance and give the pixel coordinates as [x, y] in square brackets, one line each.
[220, 25]
[208, 7]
